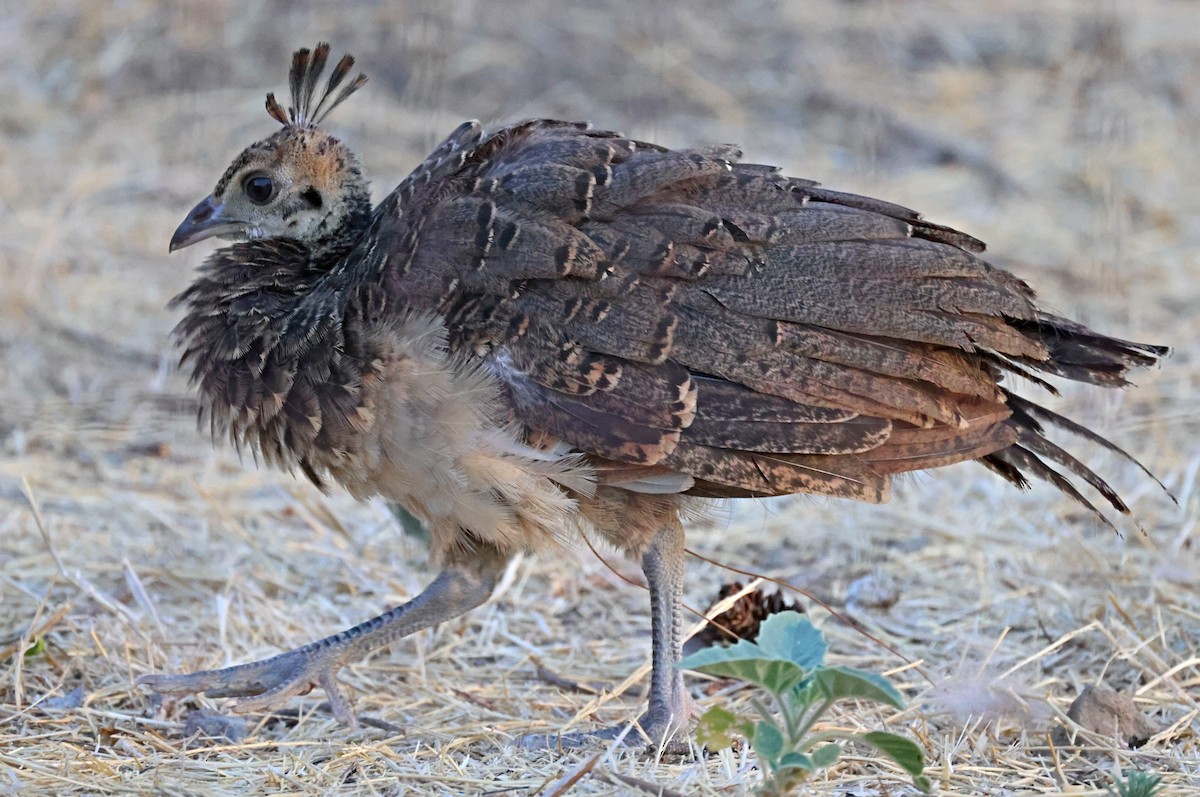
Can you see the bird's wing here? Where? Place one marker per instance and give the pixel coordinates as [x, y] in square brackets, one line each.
[680, 312]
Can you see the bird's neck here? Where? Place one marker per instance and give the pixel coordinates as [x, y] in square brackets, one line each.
[348, 228]
[262, 325]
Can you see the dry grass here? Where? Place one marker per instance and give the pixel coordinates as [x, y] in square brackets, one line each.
[1063, 133]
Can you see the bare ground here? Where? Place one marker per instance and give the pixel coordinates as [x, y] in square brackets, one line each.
[1063, 133]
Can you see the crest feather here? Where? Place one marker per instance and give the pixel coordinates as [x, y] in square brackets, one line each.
[307, 66]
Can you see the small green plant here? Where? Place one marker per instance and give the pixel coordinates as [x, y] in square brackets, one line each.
[788, 661]
[1138, 784]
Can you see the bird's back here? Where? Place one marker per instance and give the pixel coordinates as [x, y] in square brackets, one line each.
[699, 325]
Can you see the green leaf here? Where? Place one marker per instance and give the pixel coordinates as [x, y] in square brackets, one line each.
[713, 729]
[904, 752]
[37, 648]
[746, 662]
[1138, 784]
[794, 760]
[767, 741]
[790, 636]
[839, 683]
[788, 648]
[805, 693]
[825, 756]
[410, 524]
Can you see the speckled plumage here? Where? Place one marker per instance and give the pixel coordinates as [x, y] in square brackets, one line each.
[546, 325]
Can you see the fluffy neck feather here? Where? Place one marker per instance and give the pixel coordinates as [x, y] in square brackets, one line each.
[264, 339]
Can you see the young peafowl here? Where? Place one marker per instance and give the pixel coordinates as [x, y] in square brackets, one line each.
[547, 328]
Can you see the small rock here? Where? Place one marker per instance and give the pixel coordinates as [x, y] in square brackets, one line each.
[215, 725]
[873, 591]
[70, 700]
[1107, 712]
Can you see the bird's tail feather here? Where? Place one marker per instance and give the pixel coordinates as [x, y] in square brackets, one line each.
[1079, 354]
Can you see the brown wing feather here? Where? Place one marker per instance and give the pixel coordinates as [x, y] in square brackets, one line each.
[683, 313]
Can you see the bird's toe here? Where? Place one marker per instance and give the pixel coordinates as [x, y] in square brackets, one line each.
[653, 730]
[261, 685]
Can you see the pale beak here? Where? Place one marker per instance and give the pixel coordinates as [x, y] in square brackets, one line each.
[204, 221]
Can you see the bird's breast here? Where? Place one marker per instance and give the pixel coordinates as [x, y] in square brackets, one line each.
[433, 440]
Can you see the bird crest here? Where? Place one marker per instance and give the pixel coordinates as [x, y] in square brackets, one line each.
[307, 66]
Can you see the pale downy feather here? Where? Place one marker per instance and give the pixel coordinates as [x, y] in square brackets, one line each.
[436, 447]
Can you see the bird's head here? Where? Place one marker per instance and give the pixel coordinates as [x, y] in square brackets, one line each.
[300, 183]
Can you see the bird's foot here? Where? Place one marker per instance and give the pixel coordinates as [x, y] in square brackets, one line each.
[661, 726]
[262, 685]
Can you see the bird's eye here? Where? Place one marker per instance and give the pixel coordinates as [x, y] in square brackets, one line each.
[259, 188]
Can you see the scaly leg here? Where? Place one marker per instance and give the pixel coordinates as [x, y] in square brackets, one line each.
[663, 564]
[460, 587]
[670, 704]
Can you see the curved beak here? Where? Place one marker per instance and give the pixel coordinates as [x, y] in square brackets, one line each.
[204, 221]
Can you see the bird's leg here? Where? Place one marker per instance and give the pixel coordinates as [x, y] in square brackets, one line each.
[670, 704]
[460, 587]
[663, 563]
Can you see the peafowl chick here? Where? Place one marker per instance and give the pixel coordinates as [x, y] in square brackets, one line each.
[547, 329]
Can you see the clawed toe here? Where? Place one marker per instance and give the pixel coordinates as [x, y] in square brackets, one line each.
[628, 735]
[243, 680]
[261, 685]
[651, 730]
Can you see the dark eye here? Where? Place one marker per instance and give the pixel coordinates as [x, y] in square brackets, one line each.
[259, 188]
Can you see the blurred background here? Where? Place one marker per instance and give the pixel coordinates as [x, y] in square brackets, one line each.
[1063, 133]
